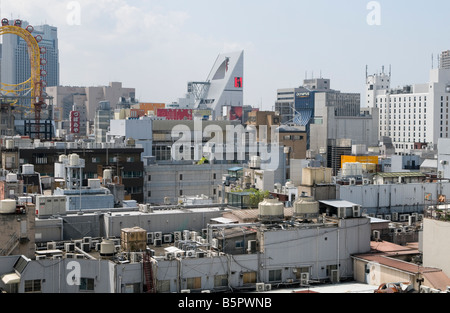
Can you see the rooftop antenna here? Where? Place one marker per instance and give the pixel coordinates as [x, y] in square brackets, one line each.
[390, 70]
[382, 69]
[432, 61]
[367, 71]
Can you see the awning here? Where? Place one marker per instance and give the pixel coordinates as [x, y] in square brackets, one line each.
[12, 278]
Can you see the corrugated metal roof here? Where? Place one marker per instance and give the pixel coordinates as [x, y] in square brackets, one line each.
[401, 174]
[338, 203]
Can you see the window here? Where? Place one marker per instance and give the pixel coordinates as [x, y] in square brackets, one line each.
[149, 178]
[96, 160]
[181, 176]
[274, 275]
[249, 278]
[86, 284]
[33, 285]
[220, 281]
[239, 244]
[163, 286]
[132, 288]
[300, 270]
[194, 283]
[149, 194]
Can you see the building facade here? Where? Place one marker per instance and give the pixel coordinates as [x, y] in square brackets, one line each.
[411, 115]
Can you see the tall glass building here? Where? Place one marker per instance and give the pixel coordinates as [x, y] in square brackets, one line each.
[15, 63]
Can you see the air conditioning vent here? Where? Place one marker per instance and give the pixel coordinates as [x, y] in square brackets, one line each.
[304, 278]
[260, 287]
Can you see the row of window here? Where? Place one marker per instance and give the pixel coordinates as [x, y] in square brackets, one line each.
[86, 284]
[180, 176]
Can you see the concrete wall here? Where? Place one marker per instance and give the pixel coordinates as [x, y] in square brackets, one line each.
[435, 244]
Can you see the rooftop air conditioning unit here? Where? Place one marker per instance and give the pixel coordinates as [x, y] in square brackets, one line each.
[424, 289]
[40, 257]
[177, 235]
[51, 245]
[117, 248]
[169, 255]
[149, 238]
[69, 246]
[356, 211]
[388, 217]
[190, 254]
[342, 212]
[179, 254]
[200, 254]
[260, 287]
[186, 235]
[304, 278]
[157, 235]
[193, 235]
[215, 243]
[376, 235]
[157, 242]
[167, 238]
[267, 287]
[86, 246]
[79, 256]
[395, 216]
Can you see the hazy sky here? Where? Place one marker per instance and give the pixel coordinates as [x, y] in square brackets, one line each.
[157, 46]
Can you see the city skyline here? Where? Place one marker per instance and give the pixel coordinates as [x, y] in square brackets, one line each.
[158, 46]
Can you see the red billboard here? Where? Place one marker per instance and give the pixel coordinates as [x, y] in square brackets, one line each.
[75, 122]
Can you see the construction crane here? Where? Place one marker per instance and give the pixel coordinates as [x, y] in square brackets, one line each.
[35, 85]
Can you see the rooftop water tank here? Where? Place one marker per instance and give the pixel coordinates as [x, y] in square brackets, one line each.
[255, 162]
[74, 160]
[107, 174]
[8, 206]
[107, 248]
[306, 207]
[62, 158]
[271, 210]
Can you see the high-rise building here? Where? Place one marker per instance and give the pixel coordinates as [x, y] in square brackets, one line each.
[444, 60]
[15, 63]
[224, 86]
[299, 105]
[413, 116]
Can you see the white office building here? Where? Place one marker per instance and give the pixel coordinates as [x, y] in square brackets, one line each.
[413, 116]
